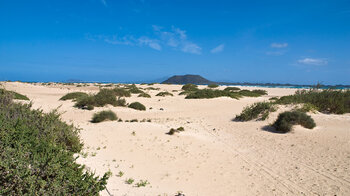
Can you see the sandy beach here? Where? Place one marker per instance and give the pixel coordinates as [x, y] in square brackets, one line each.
[214, 155]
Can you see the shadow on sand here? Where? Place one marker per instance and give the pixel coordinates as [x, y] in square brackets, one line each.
[271, 129]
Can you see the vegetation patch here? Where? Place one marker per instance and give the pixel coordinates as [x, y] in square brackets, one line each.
[129, 181]
[307, 107]
[103, 116]
[37, 154]
[144, 95]
[73, 96]
[133, 89]
[15, 95]
[152, 88]
[121, 102]
[326, 101]
[137, 106]
[232, 88]
[102, 98]
[86, 103]
[213, 85]
[213, 93]
[260, 110]
[172, 131]
[210, 93]
[142, 183]
[253, 93]
[189, 87]
[286, 120]
[120, 92]
[163, 94]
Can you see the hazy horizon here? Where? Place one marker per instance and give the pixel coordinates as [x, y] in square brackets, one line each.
[297, 42]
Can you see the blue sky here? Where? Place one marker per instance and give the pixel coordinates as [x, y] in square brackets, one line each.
[302, 42]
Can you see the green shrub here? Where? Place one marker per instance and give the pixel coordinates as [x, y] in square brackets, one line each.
[286, 120]
[142, 183]
[74, 96]
[120, 102]
[213, 85]
[144, 95]
[172, 131]
[36, 154]
[260, 110]
[14, 94]
[328, 100]
[308, 107]
[129, 181]
[273, 98]
[104, 97]
[87, 102]
[133, 89]
[189, 87]
[152, 88]
[137, 106]
[120, 92]
[103, 116]
[185, 92]
[231, 88]
[163, 94]
[209, 93]
[180, 129]
[253, 93]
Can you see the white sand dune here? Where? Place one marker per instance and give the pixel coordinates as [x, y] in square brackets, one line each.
[214, 155]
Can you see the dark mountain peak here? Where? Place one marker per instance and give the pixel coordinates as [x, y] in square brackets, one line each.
[185, 79]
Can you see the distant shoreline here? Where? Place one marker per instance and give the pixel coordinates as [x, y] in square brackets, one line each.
[265, 85]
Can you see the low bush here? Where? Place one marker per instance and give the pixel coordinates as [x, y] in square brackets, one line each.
[133, 89]
[286, 120]
[163, 94]
[152, 88]
[144, 95]
[273, 98]
[189, 87]
[37, 154]
[213, 85]
[103, 116]
[260, 111]
[185, 92]
[232, 88]
[327, 101]
[308, 107]
[120, 92]
[87, 102]
[172, 131]
[102, 98]
[121, 102]
[180, 129]
[253, 93]
[137, 106]
[15, 95]
[73, 96]
[209, 93]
